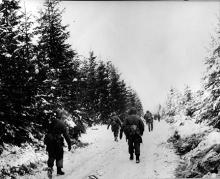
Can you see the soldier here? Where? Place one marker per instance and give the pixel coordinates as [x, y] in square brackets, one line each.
[76, 131]
[115, 123]
[157, 117]
[133, 127]
[149, 120]
[55, 142]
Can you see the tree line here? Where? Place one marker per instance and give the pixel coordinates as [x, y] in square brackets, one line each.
[40, 72]
[204, 104]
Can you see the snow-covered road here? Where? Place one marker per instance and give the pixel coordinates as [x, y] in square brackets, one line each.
[107, 159]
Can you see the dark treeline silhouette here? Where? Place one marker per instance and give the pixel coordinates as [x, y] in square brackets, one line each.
[39, 73]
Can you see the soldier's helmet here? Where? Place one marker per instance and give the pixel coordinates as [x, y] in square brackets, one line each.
[132, 111]
[59, 113]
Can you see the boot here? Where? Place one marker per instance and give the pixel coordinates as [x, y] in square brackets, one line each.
[59, 171]
[131, 156]
[137, 159]
[49, 172]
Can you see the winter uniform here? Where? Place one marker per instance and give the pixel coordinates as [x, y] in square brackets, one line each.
[75, 132]
[157, 117]
[149, 120]
[115, 123]
[133, 127]
[55, 142]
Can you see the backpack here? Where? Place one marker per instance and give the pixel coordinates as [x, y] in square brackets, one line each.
[148, 117]
[48, 139]
[53, 139]
[134, 130]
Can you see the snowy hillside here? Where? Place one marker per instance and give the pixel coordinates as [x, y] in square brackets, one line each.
[195, 140]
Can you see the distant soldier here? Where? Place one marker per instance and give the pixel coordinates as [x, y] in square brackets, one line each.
[75, 133]
[157, 117]
[78, 130]
[149, 120]
[133, 127]
[115, 123]
[55, 142]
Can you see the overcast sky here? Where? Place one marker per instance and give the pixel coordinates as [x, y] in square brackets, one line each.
[155, 44]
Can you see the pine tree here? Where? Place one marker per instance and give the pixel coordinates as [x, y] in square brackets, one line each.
[102, 89]
[17, 89]
[122, 99]
[188, 101]
[92, 98]
[139, 106]
[187, 94]
[114, 89]
[9, 44]
[174, 102]
[118, 92]
[72, 89]
[55, 59]
[81, 83]
[212, 83]
[130, 98]
[133, 101]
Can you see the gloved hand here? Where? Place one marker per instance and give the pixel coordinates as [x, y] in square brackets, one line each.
[69, 147]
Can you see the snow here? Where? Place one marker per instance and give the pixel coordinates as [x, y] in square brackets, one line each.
[106, 159]
[7, 55]
[186, 127]
[189, 126]
[45, 102]
[213, 138]
[70, 123]
[216, 103]
[75, 79]
[16, 156]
